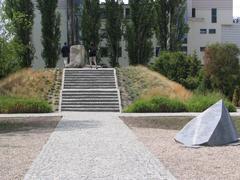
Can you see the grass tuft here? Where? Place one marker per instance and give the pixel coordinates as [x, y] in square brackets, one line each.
[200, 102]
[156, 104]
[21, 105]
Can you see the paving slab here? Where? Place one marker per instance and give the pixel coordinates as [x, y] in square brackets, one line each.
[95, 146]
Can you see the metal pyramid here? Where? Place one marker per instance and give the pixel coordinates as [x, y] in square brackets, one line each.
[213, 127]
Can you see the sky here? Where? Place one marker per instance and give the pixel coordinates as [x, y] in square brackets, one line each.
[236, 7]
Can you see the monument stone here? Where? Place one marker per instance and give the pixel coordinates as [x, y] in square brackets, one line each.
[77, 57]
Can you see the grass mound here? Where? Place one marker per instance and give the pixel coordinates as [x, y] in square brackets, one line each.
[28, 83]
[27, 91]
[141, 82]
[152, 92]
[22, 105]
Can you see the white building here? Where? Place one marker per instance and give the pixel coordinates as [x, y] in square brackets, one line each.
[210, 21]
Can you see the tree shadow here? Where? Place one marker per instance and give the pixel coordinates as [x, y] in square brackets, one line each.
[24, 127]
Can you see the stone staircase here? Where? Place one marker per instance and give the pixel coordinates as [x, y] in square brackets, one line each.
[89, 90]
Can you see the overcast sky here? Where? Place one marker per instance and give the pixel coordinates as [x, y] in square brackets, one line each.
[236, 7]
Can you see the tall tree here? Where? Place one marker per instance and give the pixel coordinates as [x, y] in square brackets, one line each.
[20, 16]
[114, 17]
[221, 67]
[90, 23]
[171, 26]
[50, 31]
[178, 25]
[162, 21]
[139, 31]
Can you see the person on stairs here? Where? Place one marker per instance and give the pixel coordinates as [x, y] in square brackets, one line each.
[65, 53]
[92, 55]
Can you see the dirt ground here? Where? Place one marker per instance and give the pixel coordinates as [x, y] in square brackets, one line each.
[186, 163]
[21, 140]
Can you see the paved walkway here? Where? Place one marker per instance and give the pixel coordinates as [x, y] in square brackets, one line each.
[95, 146]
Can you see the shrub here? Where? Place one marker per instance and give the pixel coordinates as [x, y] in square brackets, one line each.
[179, 67]
[9, 60]
[200, 102]
[21, 105]
[221, 67]
[236, 96]
[156, 104]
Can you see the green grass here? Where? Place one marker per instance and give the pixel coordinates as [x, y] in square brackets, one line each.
[200, 102]
[156, 104]
[196, 103]
[23, 105]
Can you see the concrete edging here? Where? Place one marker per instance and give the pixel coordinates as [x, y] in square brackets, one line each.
[30, 115]
[191, 114]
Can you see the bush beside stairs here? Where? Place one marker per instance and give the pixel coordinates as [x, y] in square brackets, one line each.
[90, 90]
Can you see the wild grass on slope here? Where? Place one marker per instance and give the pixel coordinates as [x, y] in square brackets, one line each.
[141, 82]
[28, 83]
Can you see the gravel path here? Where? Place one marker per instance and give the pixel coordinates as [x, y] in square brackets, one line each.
[21, 142]
[95, 146]
[187, 163]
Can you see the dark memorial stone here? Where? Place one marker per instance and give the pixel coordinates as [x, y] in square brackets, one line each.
[213, 127]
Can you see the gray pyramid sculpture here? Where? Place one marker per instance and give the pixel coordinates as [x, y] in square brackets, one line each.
[213, 127]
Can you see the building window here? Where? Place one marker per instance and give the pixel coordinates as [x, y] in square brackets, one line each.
[102, 13]
[185, 40]
[193, 12]
[127, 13]
[104, 52]
[214, 15]
[202, 49]
[157, 51]
[212, 31]
[184, 49]
[103, 34]
[203, 31]
[120, 52]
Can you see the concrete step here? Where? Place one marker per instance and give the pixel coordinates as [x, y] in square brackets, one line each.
[89, 83]
[90, 104]
[90, 92]
[89, 79]
[91, 109]
[90, 72]
[89, 87]
[90, 100]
